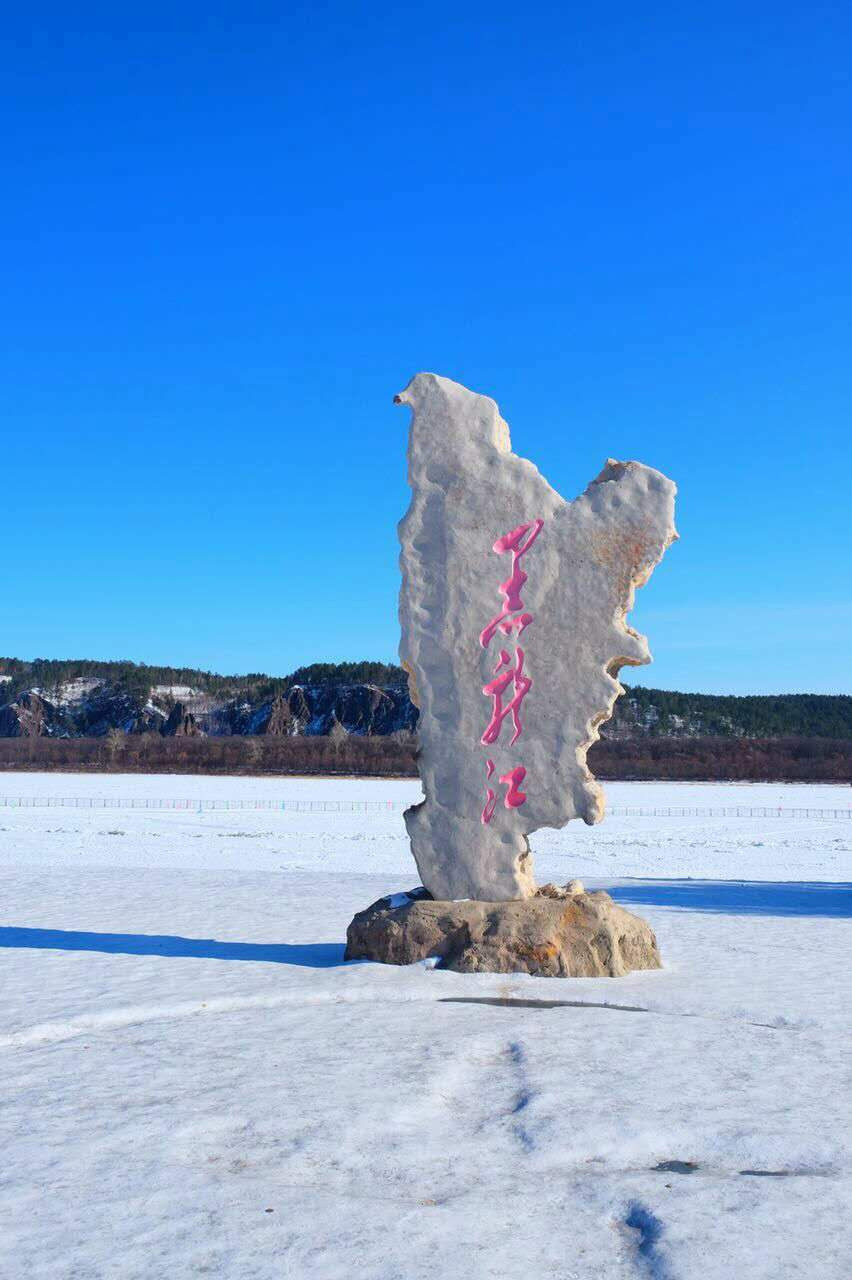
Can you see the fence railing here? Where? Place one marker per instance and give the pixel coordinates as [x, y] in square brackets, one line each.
[726, 811]
[199, 806]
[377, 806]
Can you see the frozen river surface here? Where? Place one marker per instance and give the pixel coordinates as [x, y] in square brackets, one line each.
[194, 1083]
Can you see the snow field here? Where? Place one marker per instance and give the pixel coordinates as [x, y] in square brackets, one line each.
[775, 848]
[195, 1084]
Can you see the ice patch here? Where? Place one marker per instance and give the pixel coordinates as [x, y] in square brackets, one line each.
[397, 900]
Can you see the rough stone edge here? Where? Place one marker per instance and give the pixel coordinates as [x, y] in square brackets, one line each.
[574, 888]
[610, 474]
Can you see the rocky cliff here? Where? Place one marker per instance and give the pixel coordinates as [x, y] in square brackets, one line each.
[68, 711]
[89, 699]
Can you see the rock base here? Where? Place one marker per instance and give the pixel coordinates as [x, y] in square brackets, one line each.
[558, 933]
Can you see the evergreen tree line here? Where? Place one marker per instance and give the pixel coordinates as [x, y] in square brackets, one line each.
[137, 678]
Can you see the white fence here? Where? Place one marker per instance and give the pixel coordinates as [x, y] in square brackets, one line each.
[199, 806]
[727, 811]
[378, 806]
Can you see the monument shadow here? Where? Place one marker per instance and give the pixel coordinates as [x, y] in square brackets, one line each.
[740, 897]
[309, 955]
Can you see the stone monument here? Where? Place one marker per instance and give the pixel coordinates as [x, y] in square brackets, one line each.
[513, 610]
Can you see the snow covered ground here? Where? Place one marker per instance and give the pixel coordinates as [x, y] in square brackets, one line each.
[193, 1083]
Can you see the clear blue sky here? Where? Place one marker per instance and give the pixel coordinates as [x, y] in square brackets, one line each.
[231, 232]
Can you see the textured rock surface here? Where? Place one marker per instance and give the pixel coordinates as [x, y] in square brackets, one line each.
[559, 933]
[362, 709]
[31, 716]
[486, 540]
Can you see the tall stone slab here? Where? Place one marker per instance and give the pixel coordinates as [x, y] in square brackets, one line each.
[513, 612]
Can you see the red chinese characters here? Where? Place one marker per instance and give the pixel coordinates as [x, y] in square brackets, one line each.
[521, 686]
[510, 684]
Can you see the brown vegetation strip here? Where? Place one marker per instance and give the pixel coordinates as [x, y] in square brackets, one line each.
[657, 759]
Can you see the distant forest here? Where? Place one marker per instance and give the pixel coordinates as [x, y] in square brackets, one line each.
[137, 677]
[355, 718]
[641, 712]
[752, 716]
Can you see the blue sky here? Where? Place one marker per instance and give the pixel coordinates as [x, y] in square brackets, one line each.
[231, 233]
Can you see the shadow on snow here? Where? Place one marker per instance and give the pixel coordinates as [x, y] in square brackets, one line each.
[311, 955]
[740, 897]
[729, 897]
